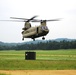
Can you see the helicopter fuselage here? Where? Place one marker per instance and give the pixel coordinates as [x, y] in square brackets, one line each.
[34, 32]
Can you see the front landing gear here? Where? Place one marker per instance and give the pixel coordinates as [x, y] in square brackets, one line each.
[34, 39]
[23, 38]
[43, 38]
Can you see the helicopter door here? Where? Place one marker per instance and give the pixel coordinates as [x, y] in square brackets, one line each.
[37, 30]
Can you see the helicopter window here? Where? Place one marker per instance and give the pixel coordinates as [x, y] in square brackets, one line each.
[44, 27]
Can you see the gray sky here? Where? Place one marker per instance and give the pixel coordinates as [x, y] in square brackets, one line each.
[45, 9]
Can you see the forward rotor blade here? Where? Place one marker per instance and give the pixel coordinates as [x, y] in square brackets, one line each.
[53, 20]
[36, 20]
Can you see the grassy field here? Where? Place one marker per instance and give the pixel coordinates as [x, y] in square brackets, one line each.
[45, 60]
[3, 74]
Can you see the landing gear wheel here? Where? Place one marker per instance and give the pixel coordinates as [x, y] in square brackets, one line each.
[34, 39]
[22, 38]
[43, 38]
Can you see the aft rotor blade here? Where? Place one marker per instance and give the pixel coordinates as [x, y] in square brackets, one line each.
[23, 18]
[32, 17]
[19, 18]
[36, 20]
[13, 20]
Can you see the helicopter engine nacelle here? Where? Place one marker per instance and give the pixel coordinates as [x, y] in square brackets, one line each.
[27, 25]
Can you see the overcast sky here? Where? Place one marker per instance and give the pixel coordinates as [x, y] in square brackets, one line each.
[45, 9]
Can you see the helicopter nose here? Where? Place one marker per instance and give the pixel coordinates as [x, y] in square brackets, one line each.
[45, 29]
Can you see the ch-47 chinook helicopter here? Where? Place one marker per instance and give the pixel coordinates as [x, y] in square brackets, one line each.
[34, 32]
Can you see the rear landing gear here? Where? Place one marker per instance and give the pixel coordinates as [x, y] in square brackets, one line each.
[43, 38]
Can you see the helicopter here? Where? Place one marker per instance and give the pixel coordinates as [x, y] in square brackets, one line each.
[33, 32]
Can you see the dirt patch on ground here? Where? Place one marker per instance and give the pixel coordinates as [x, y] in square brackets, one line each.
[38, 72]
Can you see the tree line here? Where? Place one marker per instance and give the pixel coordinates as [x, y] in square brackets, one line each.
[49, 45]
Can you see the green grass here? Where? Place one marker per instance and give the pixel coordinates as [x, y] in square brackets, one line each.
[49, 60]
[2, 74]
